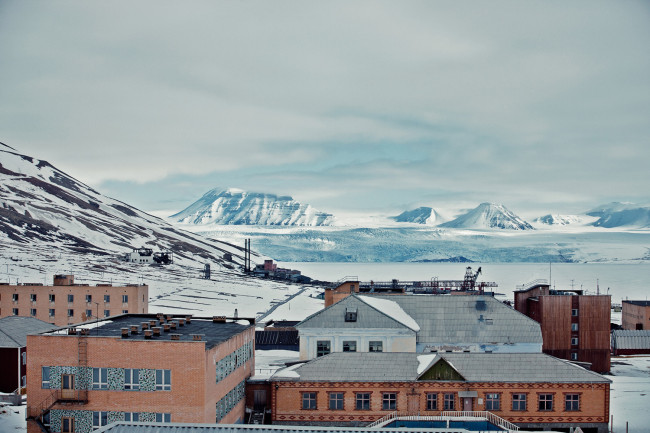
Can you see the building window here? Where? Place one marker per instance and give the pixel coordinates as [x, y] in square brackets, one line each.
[574, 327]
[519, 402]
[362, 401]
[89, 298]
[493, 401]
[51, 312]
[375, 346]
[45, 377]
[132, 416]
[574, 341]
[24, 357]
[23, 381]
[70, 298]
[100, 419]
[449, 402]
[309, 400]
[322, 348]
[389, 401]
[349, 346]
[107, 313]
[107, 298]
[52, 297]
[32, 297]
[89, 313]
[545, 402]
[336, 401]
[163, 380]
[32, 312]
[163, 417]
[100, 378]
[571, 402]
[574, 312]
[350, 314]
[432, 401]
[70, 312]
[67, 424]
[125, 299]
[131, 379]
[14, 311]
[574, 356]
[125, 311]
[14, 297]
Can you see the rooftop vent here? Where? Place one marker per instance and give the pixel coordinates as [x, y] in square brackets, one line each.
[148, 333]
[175, 336]
[219, 319]
[350, 314]
[160, 317]
[197, 337]
[173, 325]
[84, 331]
[169, 317]
[156, 331]
[181, 322]
[188, 319]
[125, 332]
[153, 323]
[166, 327]
[134, 329]
[145, 325]
[72, 331]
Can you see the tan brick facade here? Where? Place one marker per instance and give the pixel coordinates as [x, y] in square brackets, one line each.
[635, 315]
[52, 303]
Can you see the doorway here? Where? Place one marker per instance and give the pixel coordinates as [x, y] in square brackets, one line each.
[467, 404]
[67, 386]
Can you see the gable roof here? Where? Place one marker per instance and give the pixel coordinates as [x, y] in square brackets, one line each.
[467, 319]
[14, 330]
[371, 313]
[405, 367]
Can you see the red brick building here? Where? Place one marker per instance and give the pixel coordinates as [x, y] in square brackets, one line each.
[574, 326]
[635, 315]
[532, 390]
[66, 303]
[139, 367]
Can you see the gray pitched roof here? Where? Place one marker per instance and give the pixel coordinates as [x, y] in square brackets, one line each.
[403, 367]
[467, 318]
[367, 317]
[631, 339]
[14, 330]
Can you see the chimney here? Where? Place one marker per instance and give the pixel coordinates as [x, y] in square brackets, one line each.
[153, 323]
[218, 319]
[175, 336]
[173, 324]
[181, 322]
[72, 331]
[156, 331]
[236, 314]
[134, 329]
[148, 333]
[166, 327]
[145, 325]
[169, 317]
[188, 319]
[125, 332]
[197, 337]
[160, 317]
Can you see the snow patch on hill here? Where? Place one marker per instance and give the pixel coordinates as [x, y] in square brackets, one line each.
[489, 216]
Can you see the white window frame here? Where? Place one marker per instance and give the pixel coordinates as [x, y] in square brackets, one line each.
[131, 379]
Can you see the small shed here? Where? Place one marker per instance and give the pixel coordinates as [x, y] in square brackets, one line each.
[630, 342]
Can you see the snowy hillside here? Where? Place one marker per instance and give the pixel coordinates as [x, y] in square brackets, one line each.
[621, 215]
[41, 207]
[421, 215]
[562, 220]
[488, 216]
[237, 207]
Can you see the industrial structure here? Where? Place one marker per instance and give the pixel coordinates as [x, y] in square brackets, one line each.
[574, 326]
[66, 303]
[635, 315]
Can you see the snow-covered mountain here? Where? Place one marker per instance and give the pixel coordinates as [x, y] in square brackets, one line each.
[238, 207]
[488, 216]
[421, 215]
[43, 208]
[621, 215]
[560, 220]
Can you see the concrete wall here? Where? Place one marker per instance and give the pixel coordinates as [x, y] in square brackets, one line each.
[393, 340]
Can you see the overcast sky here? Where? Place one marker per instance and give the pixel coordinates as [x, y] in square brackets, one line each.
[350, 106]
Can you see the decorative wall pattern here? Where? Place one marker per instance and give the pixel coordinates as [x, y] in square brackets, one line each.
[147, 379]
[230, 400]
[116, 379]
[83, 378]
[83, 420]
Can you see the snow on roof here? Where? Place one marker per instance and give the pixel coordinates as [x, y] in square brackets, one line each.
[424, 361]
[287, 373]
[391, 309]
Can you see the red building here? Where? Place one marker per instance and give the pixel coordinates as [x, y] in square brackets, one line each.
[574, 326]
[636, 315]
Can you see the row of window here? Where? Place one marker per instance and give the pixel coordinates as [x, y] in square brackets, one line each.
[100, 419]
[230, 400]
[52, 297]
[324, 347]
[232, 361]
[70, 312]
[163, 381]
[389, 401]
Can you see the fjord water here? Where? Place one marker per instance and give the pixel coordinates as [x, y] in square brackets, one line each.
[622, 281]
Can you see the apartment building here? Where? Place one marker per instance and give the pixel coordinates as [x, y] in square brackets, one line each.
[66, 303]
[139, 367]
[574, 326]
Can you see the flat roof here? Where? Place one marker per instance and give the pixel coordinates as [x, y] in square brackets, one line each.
[211, 332]
[639, 303]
